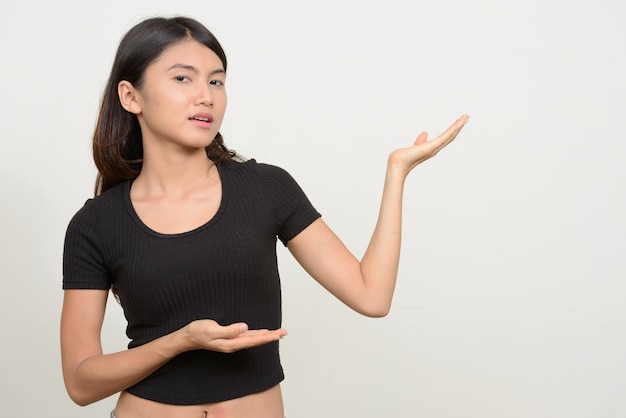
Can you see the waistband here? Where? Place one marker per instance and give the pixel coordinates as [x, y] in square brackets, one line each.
[113, 414]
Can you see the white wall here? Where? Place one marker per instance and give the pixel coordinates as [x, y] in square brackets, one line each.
[512, 281]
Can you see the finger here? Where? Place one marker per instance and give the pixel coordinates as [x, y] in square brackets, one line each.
[454, 129]
[249, 340]
[460, 122]
[421, 138]
[260, 337]
[232, 330]
[449, 134]
[279, 331]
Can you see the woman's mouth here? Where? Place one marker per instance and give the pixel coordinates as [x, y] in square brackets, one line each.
[202, 119]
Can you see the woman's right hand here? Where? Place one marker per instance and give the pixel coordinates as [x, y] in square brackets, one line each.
[91, 375]
[206, 334]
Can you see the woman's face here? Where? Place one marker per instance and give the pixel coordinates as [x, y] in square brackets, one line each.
[183, 98]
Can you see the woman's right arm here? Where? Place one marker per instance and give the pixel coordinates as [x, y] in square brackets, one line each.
[90, 375]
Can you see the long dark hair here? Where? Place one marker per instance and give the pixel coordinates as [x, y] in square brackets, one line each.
[117, 147]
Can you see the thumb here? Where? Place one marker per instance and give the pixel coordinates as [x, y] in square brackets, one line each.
[421, 138]
[234, 330]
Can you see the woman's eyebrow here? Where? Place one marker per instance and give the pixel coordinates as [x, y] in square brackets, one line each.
[194, 69]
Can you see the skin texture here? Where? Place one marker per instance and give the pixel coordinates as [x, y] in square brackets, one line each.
[178, 190]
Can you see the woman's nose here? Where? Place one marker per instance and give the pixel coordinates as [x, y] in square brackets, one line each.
[204, 96]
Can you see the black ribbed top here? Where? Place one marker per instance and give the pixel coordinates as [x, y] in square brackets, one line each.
[225, 270]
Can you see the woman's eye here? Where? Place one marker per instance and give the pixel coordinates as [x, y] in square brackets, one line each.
[182, 78]
[216, 83]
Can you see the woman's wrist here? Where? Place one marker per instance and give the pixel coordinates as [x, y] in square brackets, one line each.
[395, 174]
[173, 344]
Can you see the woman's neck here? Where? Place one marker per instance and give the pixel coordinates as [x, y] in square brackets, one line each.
[174, 175]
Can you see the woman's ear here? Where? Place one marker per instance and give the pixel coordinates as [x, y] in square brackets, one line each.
[129, 97]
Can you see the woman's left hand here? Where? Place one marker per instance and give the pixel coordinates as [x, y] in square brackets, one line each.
[406, 159]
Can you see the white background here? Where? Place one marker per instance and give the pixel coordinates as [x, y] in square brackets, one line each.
[510, 301]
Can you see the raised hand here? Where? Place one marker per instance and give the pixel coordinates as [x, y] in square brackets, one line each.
[407, 159]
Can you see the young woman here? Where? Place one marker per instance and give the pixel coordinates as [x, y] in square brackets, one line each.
[185, 235]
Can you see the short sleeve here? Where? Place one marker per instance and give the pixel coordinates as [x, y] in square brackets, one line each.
[294, 212]
[84, 266]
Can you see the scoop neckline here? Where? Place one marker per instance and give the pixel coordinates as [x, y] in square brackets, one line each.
[133, 213]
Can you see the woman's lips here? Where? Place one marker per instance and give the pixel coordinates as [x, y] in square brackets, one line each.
[202, 119]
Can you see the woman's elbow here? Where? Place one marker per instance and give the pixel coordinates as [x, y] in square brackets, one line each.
[79, 399]
[375, 310]
[378, 314]
[78, 396]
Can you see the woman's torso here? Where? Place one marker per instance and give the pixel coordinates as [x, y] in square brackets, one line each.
[276, 200]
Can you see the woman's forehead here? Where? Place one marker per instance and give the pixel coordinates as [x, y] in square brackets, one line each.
[189, 52]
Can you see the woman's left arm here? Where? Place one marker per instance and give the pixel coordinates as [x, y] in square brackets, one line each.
[367, 286]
